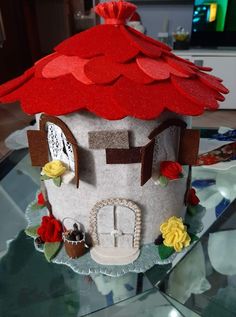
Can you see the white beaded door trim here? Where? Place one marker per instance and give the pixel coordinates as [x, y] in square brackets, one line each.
[121, 202]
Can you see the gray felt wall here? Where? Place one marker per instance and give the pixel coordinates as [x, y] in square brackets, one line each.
[99, 181]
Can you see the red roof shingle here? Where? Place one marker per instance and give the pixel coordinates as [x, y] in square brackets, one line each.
[114, 71]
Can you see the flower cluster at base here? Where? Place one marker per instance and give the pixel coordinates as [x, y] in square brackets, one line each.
[192, 202]
[40, 199]
[40, 203]
[174, 237]
[48, 234]
[54, 170]
[169, 171]
[174, 233]
[50, 229]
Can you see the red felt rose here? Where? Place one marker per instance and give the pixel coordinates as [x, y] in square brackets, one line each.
[41, 200]
[171, 170]
[50, 229]
[193, 200]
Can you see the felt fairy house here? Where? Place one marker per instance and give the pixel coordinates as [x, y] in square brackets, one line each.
[113, 139]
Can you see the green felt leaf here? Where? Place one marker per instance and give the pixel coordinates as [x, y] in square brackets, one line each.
[32, 231]
[44, 177]
[163, 181]
[51, 249]
[36, 206]
[165, 251]
[192, 210]
[193, 237]
[57, 181]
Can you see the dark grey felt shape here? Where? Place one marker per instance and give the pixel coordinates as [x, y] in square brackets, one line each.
[117, 139]
[123, 156]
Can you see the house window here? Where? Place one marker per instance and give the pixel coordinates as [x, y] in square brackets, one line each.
[59, 147]
[54, 141]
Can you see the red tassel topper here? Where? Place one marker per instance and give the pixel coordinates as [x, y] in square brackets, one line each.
[114, 71]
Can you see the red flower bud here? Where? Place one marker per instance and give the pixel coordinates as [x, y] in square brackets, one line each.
[171, 170]
[50, 229]
[41, 200]
[193, 200]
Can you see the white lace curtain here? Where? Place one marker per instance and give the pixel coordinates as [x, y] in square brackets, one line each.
[59, 147]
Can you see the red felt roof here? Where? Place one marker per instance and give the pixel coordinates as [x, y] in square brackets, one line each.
[114, 71]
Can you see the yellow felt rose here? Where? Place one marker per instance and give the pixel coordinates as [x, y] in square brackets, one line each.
[54, 169]
[175, 234]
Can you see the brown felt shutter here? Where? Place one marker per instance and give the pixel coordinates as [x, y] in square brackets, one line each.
[188, 146]
[146, 161]
[38, 147]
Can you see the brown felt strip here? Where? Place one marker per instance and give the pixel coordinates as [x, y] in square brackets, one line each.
[116, 139]
[123, 156]
[188, 185]
[38, 147]
[146, 159]
[69, 136]
[189, 146]
[49, 207]
[165, 125]
[76, 160]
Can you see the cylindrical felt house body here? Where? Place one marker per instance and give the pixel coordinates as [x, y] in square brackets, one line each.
[112, 107]
[110, 166]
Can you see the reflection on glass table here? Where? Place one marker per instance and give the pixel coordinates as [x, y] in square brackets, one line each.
[205, 279]
[12, 122]
[148, 304]
[29, 286]
[18, 183]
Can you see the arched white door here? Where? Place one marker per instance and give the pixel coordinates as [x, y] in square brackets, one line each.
[116, 231]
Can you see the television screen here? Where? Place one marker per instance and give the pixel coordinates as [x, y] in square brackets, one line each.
[214, 23]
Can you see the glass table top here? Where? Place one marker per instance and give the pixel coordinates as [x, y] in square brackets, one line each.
[197, 283]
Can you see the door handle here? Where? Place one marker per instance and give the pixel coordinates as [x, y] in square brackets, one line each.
[116, 233]
[2, 31]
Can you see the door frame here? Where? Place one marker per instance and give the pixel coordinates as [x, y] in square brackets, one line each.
[119, 202]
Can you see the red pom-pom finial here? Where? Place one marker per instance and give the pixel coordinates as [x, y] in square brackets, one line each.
[115, 12]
